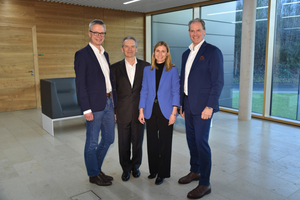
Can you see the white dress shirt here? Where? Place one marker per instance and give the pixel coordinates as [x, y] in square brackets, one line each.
[188, 64]
[131, 71]
[104, 67]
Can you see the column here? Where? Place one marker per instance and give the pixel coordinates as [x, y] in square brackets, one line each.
[247, 59]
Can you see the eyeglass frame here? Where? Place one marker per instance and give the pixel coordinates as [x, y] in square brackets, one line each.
[97, 33]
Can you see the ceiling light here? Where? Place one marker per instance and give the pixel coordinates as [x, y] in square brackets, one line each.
[128, 2]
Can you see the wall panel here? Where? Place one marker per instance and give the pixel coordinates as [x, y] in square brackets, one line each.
[61, 30]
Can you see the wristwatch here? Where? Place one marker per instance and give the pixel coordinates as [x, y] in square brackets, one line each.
[209, 107]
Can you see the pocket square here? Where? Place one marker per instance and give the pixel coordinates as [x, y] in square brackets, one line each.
[201, 58]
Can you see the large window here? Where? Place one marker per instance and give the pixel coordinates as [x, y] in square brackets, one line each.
[286, 64]
[224, 30]
[276, 92]
[172, 27]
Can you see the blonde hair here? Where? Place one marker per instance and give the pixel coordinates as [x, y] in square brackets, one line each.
[168, 61]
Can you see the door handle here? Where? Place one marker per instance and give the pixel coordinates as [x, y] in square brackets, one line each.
[32, 72]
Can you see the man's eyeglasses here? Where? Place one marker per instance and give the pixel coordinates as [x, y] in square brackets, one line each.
[97, 33]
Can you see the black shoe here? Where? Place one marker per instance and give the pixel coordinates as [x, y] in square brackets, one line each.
[125, 176]
[99, 180]
[152, 176]
[136, 173]
[109, 178]
[159, 180]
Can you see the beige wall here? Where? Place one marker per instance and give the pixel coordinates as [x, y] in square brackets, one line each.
[62, 29]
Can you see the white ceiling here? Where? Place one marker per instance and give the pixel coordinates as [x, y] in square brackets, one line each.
[143, 6]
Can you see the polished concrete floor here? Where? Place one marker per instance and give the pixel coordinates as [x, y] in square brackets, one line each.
[252, 160]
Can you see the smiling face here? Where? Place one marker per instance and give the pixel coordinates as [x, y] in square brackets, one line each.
[129, 48]
[196, 33]
[160, 54]
[97, 40]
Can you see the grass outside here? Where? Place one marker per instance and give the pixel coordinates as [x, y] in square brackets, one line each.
[283, 104]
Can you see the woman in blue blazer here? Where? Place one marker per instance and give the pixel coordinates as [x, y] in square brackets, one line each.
[158, 107]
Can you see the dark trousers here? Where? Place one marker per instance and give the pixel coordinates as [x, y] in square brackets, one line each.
[159, 143]
[130, 135]
[197, 133]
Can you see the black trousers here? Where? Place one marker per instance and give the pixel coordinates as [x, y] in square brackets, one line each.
[130, 135]
[159, 143]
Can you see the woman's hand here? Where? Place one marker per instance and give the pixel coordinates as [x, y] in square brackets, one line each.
[173, 116]
[172, 119]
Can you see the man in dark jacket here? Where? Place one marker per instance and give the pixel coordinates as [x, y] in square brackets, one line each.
[128, 76]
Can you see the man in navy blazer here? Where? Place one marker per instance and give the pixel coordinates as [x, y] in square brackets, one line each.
[201, 83]
[97, 97]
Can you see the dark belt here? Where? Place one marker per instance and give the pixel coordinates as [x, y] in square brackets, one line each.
[108, 94]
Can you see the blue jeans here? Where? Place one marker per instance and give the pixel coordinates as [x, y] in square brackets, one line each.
[94, 152]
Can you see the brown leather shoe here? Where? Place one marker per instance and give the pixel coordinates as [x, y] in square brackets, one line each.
[109, 178]
[199, 192]
[99, 180]
[192, 176]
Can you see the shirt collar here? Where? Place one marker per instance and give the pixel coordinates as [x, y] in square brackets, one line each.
[95, 48]
[197, 47]
[135, 62]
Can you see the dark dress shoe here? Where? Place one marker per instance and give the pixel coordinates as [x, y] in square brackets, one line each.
[152, 176]
[199, 192]
[99, 180]
[159, 180]
[109, 178]
[125, 176]
[192, 176]
[136, 173]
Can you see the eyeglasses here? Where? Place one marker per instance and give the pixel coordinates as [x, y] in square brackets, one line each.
[97, 33]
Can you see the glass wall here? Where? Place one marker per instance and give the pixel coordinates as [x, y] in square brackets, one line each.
[224, 30]
[172, 27]
[220, 20]
[286, 65]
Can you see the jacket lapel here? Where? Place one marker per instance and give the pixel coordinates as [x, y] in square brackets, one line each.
[124, 71]
[163, 77]
[92, 54]
[199, 54]
[138, 72]
[153, 77]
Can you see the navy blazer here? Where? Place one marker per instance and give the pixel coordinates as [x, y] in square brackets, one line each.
[206, 79]
[90, 81]
[167, 93]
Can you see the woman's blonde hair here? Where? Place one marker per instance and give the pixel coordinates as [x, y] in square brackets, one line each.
[168, 61]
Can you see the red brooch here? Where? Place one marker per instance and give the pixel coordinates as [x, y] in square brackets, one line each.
[201, 58]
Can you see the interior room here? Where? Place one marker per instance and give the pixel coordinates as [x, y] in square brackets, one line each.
[254, 138]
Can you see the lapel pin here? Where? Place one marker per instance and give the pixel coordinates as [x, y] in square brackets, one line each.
[201, 58]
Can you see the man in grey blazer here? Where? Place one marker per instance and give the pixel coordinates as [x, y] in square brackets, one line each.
[128, 78]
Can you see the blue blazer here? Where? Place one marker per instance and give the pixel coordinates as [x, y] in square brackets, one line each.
[90, 81]
[167, 93]
[206, 79]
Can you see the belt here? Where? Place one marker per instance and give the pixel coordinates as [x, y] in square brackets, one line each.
[108, 94]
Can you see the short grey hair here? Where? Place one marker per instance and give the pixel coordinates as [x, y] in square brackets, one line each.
[197, 20]
[130, 38]
[97, 21]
